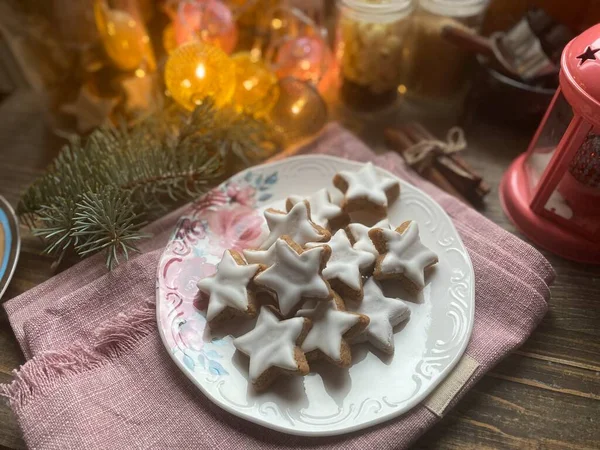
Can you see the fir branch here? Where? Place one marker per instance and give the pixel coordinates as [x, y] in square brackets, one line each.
[57, 221]
[98, 192]
[107, 220]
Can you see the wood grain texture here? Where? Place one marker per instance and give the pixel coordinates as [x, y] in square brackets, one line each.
[544, 396]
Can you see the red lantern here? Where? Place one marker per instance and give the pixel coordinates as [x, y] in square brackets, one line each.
[552, 192]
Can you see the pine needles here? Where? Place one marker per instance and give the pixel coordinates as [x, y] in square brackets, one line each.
[99, 192]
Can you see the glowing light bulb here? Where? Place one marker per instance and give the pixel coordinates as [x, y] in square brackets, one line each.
[300, 110]
[200, 71]
[298, 106]
[197, 70]
[276, 23]
[255, 54]
[209, 21]
[124, 39]
[305, 58]
[250, 83]
[256, 89]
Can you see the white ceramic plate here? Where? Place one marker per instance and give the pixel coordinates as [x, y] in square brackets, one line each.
[328, 401]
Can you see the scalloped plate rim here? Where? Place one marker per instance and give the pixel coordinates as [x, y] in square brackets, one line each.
[373, 422]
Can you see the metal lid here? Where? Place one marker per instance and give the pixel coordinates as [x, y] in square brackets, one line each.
[454, 8]
[377, 10]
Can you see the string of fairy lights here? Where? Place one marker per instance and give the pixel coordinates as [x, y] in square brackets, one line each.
[280, 78]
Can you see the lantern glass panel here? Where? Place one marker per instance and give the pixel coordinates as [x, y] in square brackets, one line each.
[576, 200]
[543, 149]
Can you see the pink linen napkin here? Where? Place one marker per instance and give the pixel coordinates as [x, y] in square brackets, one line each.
[99, 376]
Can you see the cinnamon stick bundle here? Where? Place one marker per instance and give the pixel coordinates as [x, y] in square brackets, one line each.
[448, 171]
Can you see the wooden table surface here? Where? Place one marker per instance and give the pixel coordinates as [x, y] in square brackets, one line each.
[545, 395]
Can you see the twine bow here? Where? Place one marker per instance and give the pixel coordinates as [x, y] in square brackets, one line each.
[455, 142]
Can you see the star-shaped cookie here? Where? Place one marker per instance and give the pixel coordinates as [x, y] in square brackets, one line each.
[323, 211]
[359, 235]
[273, 348]
[343, 269]
[295, 276]
[296, 224]
[402, 255]
[384, 314]
[264, 257]
[366, 189]
[228, 289]
[331, 326]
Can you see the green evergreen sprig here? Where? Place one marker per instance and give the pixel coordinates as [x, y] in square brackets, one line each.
[100, 191]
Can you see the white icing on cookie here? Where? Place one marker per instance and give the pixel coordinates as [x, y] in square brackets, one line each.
[369, 184]
[264, 257]
[385, 313]
[309, 305]
[294, 276]
[228, 286]
[296, 224]
[360, 234]
[406, 255]
[329, 325]
[345, 262]
[271, 343]
[322, 209]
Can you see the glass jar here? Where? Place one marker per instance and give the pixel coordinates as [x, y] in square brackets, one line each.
[371, 50]
[439, 68]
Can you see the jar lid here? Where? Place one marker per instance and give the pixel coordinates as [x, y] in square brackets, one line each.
[580, 72]
[377, 10]
[454, 8]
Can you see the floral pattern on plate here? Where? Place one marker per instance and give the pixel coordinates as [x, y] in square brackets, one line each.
[327, 401]
[224, 218]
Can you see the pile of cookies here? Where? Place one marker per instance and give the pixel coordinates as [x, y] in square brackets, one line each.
[313, 282]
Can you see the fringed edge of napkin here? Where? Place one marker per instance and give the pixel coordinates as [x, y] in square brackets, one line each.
[44, 372]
